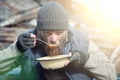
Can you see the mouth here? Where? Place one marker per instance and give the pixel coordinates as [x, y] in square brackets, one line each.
[49, 44]
[53, 45]
[53, 50]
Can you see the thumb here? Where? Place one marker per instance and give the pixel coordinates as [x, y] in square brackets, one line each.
[32, 35]
[67, 62]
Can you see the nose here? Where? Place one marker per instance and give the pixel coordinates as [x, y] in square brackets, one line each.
[53, 38]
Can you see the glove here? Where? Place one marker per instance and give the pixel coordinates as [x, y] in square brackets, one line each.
[27, 40]
[79, 58]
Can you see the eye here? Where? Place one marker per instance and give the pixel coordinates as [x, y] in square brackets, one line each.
[59, 33]
[47, 32]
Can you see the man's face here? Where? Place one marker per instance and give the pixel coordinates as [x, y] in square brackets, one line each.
[53, 37]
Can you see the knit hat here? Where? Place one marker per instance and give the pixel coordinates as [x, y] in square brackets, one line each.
[52, 16]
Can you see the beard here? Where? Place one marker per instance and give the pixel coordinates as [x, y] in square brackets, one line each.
[57, 49]
[53, 50]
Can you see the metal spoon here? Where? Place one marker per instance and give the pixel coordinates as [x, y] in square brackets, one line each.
[42, 41]
[51, 45]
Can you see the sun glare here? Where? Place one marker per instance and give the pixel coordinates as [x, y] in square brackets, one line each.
[100, 13]
[106, 10]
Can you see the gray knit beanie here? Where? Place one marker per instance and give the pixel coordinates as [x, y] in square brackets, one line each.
[52, 16]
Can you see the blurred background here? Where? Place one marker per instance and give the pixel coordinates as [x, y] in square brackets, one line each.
[98, 18]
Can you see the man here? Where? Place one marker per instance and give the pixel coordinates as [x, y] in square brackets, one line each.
[52, 27]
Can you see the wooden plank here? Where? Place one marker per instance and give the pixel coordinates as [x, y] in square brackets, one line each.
[66, 3]
[10, 34]
[20, 17]
[112, 32]
[21, 5]
[105, 45]
[104, 38]
[7, 32]
[7, 39]
[5, 10]
[14, 9]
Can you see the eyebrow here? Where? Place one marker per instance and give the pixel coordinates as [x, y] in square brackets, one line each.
[53, 31]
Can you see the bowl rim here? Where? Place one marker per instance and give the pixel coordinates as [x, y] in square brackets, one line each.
[51, 58]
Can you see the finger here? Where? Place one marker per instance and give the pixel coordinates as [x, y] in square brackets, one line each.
[70, 54]
[32, 35]
[67, 62]
[29, 43]
[27, 40]
[26, 35]
[35, 43]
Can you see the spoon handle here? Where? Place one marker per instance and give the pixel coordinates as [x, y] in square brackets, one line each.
[41, 41]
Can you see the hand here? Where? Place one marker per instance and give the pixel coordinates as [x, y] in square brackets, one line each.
[27, 40]
[68, 60]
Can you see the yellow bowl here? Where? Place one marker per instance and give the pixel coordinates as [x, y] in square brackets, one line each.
[54, 62]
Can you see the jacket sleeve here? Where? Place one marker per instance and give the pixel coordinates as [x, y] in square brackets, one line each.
[79, 42]
[8, 57]
[99, 65]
